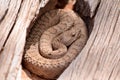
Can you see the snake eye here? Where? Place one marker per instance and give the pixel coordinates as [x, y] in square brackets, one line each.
[73, 34]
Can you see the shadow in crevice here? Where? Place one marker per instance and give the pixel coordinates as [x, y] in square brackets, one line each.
[83, 9]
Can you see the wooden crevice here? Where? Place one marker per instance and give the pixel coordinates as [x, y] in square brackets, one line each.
[100, 58]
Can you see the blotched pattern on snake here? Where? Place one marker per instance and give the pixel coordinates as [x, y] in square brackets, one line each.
[54, 41]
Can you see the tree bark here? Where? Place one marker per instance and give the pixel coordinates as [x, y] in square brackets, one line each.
[14, 21]
[100, 58]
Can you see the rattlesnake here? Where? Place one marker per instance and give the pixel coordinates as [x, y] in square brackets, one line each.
[61, 27]
[60, 43]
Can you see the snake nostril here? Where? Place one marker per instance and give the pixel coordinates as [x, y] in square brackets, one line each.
[73, 34]
[49, 54]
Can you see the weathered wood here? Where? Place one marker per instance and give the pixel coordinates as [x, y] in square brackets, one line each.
[8, 15]
[93, 4]
[13, 29]
[100, 59]
[19, 73]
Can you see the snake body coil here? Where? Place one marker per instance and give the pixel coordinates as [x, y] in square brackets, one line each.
[55, 40]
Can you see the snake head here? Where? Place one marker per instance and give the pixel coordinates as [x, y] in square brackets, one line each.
[69, 36]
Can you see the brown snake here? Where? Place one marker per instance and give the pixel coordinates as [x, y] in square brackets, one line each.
[55, 40]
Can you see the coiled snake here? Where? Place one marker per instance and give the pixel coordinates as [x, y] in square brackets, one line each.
[55, 40]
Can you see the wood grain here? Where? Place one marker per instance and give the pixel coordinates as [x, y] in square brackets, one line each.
[100, 59]
[13, 29]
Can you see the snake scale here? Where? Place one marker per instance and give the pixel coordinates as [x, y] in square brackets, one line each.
[54, 41]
